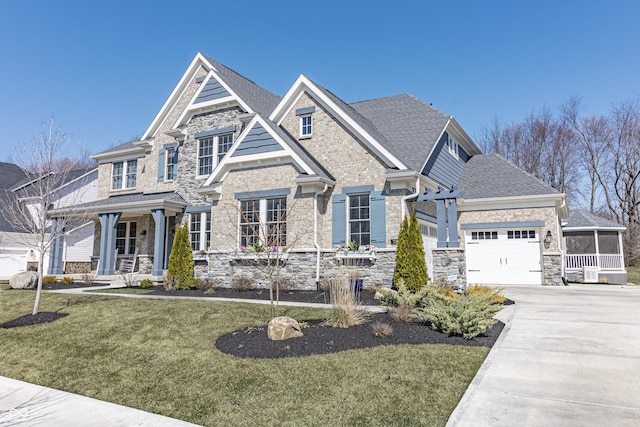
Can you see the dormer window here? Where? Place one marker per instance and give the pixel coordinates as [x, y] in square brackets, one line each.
[123, 174]
[306, 121]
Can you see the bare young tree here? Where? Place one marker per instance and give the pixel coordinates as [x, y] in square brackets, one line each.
[40, 191]
[623, 190]
[592, 135]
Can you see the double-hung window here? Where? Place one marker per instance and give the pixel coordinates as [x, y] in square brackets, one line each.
[359, 219]
[306, 125]
[170, 170]
[126, 238]
[263, 221]
[123, 174]
[210, 148]
[200, 230]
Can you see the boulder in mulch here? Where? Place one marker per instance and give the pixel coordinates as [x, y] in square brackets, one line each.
[25, 280]
[283, 328]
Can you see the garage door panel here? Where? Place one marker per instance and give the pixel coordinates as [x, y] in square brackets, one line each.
[503, 259]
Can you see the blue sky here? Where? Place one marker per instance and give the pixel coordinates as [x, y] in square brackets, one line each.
[104, 69]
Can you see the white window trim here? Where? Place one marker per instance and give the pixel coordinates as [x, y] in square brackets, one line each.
[128, 237]
[203, 229]
[262, 219]
[214, 155]
[125, 168]
[453, 147]
[302, 134]
[348, 206]
[167, 176]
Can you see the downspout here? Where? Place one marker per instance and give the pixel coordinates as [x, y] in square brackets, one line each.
[315, 230]
[563, 252]
[409, 196]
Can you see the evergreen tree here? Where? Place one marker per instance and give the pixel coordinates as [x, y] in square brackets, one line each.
[181, 270]
[411, 267]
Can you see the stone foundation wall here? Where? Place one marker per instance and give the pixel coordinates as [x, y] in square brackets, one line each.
[77, 267]
[299, 267]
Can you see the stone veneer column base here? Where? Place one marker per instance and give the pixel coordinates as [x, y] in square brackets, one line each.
[552, 268]
[448, 261]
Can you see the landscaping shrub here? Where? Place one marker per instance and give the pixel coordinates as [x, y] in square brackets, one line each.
[498, 298]
[89, 278]
[209, 286]
[181, 260]
[67, 280]
[345, 310]
[47, 280]
[411, 267]
[146, 284]
[381, 329]
[467, 314]
[282, 284]
[241, 283]
[169, 283]
[403, 313]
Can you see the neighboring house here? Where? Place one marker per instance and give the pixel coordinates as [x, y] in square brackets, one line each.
[309, 172]
[594, 250]
[14, 255]
[73, 251]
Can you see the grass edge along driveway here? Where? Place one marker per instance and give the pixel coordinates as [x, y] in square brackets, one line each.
[160, 356]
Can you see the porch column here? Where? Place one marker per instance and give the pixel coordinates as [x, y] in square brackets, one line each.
[108, 222]
[453, 224]
[441, 218]
[595, 235]
[158, 244]
[56, 248]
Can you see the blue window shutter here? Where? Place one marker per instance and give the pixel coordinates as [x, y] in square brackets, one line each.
[378, 219]
[338, 220]
[175, 164]
[161, 165]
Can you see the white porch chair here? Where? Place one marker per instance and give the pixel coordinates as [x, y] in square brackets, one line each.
[127, 265]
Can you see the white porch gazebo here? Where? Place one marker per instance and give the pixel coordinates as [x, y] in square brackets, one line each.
[593, 249]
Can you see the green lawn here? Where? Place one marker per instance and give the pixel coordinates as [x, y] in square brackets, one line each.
[160, 356]
[633, 275]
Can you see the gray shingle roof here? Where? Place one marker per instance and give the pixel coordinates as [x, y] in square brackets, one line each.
[133, 198]
[582, 219]
[259, 99]
[120, 147]
[491, 175]
[411, 127]
[10, 176]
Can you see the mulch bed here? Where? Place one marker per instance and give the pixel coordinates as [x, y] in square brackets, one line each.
[319, 338]
[30, 319]
[311, 296]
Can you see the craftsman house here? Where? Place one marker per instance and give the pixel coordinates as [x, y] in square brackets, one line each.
[73, 249]
[306, 174]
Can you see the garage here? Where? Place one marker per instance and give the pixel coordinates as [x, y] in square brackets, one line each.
[12, 261]
[504, 256]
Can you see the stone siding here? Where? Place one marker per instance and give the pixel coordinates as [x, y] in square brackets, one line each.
[299, 267]
[450, 262]
[345, 158]
[77, 267]
[552, 269]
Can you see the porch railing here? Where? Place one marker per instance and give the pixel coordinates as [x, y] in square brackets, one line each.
[604, 262]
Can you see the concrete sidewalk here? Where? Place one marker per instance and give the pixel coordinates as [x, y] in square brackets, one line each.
[24, 404]
[569, 356]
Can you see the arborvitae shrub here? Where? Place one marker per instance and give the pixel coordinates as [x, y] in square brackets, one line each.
[181, 268]
[411, 267]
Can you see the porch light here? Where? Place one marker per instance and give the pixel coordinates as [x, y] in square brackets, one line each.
[547, 238]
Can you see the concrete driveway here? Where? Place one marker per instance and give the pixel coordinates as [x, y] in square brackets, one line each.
[569, 356]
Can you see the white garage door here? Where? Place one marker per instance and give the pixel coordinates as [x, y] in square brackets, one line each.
[504, 256]
[12, 261]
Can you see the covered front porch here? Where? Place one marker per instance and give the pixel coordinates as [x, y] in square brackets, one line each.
[593, 249]
[137, 228]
